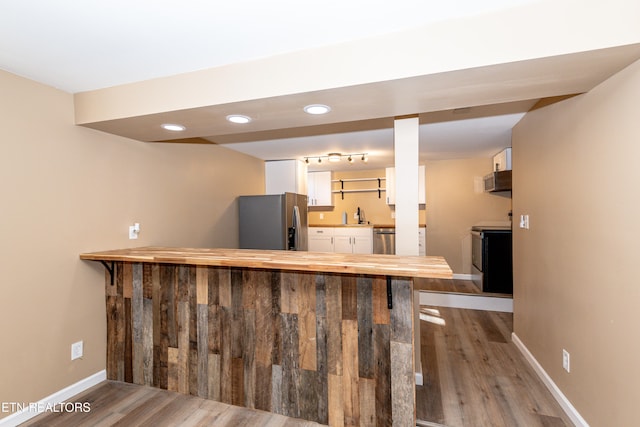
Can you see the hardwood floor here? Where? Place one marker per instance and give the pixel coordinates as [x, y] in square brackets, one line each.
[475, 376]
[116, 403]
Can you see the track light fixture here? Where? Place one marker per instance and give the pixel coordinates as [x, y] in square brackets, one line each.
[336, 157]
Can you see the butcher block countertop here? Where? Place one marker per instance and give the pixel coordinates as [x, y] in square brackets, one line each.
[386, 265]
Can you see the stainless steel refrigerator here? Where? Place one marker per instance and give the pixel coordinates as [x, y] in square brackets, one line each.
[274, 221]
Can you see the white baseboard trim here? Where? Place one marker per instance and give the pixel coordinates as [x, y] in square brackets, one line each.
[473, 302]
[462, 276]
[56, 398]
[566, 405]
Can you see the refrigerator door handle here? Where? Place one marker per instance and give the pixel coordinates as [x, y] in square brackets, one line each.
[297, 228]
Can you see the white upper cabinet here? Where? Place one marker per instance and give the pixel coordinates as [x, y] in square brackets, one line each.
[390, 183]
[319, 185]
[502, 160]
[285, 176]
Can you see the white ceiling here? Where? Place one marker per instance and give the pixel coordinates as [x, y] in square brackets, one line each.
[85, 45]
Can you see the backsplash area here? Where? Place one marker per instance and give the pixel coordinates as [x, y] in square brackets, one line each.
[376, 210]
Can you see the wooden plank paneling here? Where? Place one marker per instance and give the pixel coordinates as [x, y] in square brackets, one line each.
[250, 281]
[382, 375]
[403, 391]
[127, 280]
[350, 372]
[127, 363]
[249, 359]
[237, 381]
[402, 313]
[147, 281]
[381, 312]
[147, 342]
[333, 298]
[202, 285]
[307, 321]
[115, 352]
[173, 375]
[349, 298]
[336, 400]
[213, 378]
[316, 346]
[288, 292]
[137, 314]
[365, 327]
[290, 399]
[308, 395]
[321, 347]
[367, 392]
[183, 347]
[224, 284]
[203, 349]
[225, 355]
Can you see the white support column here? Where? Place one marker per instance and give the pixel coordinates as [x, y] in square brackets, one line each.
[406, 150]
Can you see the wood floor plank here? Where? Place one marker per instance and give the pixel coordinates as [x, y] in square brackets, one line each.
[122, 404]
[429, 394]
[480, 376]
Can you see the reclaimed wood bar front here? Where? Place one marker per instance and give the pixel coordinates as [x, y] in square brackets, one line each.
[302, 334]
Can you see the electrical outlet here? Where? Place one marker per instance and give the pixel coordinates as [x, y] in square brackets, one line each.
[77, 350]
[134, 230]
[524, 221]
[566, 361]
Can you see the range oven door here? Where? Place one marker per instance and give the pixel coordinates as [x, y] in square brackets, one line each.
[476, 257]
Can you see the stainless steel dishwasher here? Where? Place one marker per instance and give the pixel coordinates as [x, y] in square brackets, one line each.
[384, 241]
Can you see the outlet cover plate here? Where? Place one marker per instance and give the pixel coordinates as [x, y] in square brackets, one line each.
[77, 350]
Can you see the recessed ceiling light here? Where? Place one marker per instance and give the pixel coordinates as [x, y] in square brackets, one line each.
[238, 118]
[317, 109]
[173, 127]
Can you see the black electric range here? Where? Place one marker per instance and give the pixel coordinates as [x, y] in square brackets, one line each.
[491, 258]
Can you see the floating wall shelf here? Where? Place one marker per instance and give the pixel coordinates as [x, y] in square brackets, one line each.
[342, 190]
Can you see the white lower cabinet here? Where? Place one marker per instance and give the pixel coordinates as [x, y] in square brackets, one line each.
[350, 240]
[321, 239]
[353, 240]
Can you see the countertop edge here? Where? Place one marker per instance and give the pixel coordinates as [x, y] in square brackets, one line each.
[359, 225]
[377, 265]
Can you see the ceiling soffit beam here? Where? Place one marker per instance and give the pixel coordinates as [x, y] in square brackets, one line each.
[497, 84]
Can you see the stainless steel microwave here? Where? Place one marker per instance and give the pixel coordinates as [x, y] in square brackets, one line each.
[498, 181]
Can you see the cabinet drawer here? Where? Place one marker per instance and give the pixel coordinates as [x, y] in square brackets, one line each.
[353, 231]
[320, 231]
